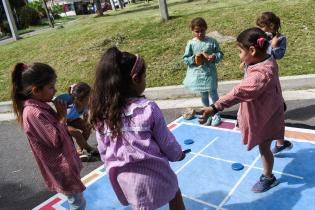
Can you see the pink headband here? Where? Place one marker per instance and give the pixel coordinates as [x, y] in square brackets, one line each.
[260, 41]
[137, 66]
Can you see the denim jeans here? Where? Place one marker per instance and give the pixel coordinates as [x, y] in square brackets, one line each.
[76, 201]
[213, 98]
[205, 97]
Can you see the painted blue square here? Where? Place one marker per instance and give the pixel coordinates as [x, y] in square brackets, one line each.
[207, 179]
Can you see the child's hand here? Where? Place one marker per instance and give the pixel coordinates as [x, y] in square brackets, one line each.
[242, 65]
[209, 57]
[206, 113]
[274, 41]
[182, 157]
[61, 108]
[85, 116]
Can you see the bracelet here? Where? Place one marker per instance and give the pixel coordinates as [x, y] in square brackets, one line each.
[215, 110]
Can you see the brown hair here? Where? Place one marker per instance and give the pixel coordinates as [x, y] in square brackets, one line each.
[269, 19]
[79, 91]
[198, 22]
[23, 78]
[111, 89]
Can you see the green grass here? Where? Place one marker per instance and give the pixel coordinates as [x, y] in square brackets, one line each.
[75, 49]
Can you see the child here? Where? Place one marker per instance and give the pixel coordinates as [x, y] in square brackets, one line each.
[270, 23]
[202, 53]
[77, 118]
[133, 139]
[261, 114]
[32, 87]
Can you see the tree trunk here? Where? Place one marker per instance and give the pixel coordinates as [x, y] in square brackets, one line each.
[99, 10]
[51, 22]
[163, 10]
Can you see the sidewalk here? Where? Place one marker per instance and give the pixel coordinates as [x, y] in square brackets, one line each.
[294, 88]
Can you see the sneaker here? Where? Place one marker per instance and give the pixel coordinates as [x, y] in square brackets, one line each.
[286, 146]
[87, 157]
[94, 152]
[216, 120]
[265, 184]
[209, 121]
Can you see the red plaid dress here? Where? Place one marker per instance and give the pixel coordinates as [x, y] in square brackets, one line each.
[261, 114]
[52, 147]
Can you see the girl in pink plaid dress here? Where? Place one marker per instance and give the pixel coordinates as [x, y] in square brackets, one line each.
[261, 113]
[133, 139]
[33, 86]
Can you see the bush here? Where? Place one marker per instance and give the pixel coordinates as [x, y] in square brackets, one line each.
[38, 6]
[27, 16]
[56, 10]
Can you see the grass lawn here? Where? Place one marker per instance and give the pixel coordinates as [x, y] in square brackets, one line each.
[75, 49]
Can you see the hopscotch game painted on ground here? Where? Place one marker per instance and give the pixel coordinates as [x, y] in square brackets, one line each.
[210, 179]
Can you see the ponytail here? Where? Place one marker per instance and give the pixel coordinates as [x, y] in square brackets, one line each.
[17, 94]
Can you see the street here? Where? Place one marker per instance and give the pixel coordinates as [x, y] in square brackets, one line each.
[22, 186]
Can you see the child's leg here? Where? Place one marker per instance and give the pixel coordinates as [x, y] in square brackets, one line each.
[267, 158]
[76, 201]
[282, 144]
[205, 98]
[177, 202]
[77, 134]
[214, 96]
[267, 180]
[83, 126]
[205, 103]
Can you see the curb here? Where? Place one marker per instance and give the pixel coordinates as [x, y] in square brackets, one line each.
[299, 82]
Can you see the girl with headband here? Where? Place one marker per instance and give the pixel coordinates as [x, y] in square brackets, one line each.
[133, 139]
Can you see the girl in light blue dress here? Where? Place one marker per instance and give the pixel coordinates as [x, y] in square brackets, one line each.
[202, 53]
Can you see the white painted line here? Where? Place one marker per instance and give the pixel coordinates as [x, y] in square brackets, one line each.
[238, 183]
[183, 166]
[59, 195]
[230, 161]
[202, 202]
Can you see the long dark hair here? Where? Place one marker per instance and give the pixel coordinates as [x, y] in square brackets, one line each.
[23, 78]
[253, 37]
[112, 89]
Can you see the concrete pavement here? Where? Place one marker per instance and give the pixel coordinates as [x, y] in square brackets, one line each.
[301, 87]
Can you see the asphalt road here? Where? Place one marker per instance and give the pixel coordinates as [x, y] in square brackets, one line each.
[22, 187]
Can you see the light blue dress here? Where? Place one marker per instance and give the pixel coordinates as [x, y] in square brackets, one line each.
[204, 77]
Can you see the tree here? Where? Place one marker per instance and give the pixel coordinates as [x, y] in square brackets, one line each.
[163, 10]
[99, 9]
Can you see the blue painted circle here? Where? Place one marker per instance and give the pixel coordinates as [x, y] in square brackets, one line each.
[237, 166]
[188, 141]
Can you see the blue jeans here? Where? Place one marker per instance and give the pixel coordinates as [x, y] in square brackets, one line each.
[214, 96]
[205, 97]
[76, 201]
